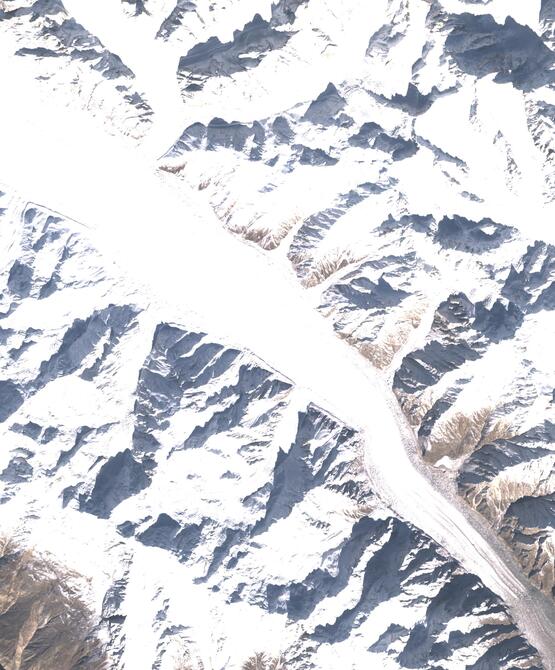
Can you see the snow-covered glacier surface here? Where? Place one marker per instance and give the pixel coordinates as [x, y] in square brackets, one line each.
[277, 309]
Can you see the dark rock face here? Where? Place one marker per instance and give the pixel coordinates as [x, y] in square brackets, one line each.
[547, 10]
[46, 248]
[256, 141]
[113, 599]
[302, 598]
[20, 279]
[370, 294]
[175, 18]
[384, 39]
[284, 12]
[413, 102]
[382, 574]
[528, 527]
[393, 557]
[463, 331]
[324, 110]
[282, 130]
[36, 10]
[82, 338]
[480, 46]
[425, 367]
[367, 132]
[11, 399]
[253, 383]
[298, 471]
[534, 512]
[525, 521]
[66, 456]
[190, 139]
[396, 146]
[531, 287]
[264, 139]
[118, 479]
[167, 533]
[174, 366]
[500, 322]
[233, 135]
[30, 429]
[491, 459]
[316, 157]
[221, 134]
[140, 6]
[18, 470]
[474, 237]
[214, 58]
[367, 295]
[424, 224]
[463, 593]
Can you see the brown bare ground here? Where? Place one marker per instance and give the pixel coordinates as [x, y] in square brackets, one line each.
[325, 267]
[391, 340]
[173, 168]
[263, 661]
[268, 238]
[461, 434]
[414, 406]
[44, 622]
[258, 661]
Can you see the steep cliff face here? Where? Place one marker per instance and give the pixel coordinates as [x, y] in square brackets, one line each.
[390, 167]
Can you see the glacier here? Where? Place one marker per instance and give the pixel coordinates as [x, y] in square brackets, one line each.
[277, 313]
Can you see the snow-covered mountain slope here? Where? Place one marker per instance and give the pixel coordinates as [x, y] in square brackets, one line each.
[415, 208]
[69, 61]
[389, 166]
[215, 511]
